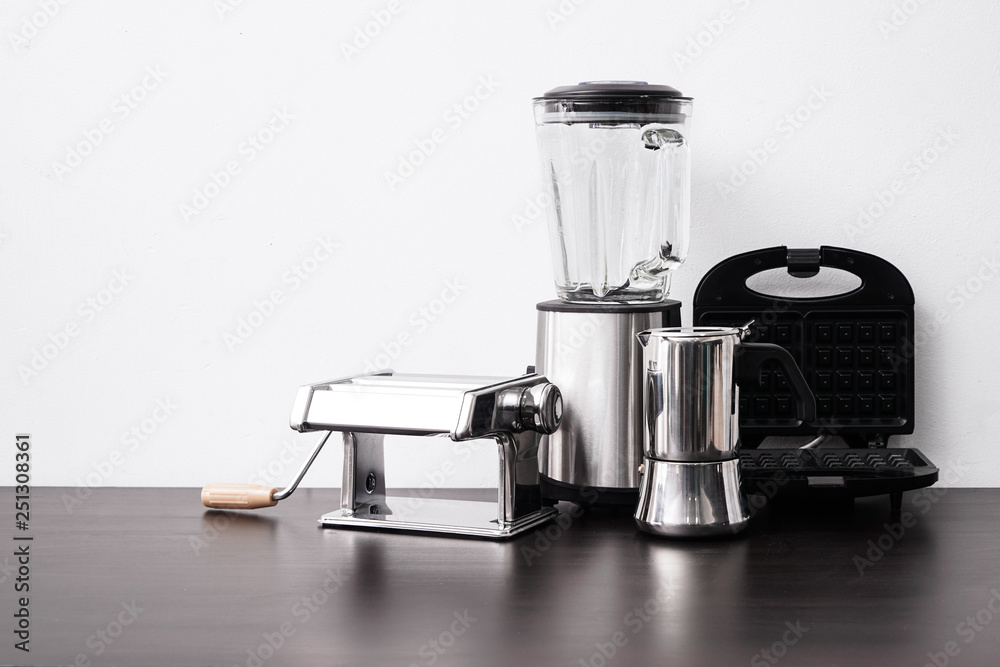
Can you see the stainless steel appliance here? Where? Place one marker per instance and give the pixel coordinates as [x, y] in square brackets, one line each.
[691, 469]
[615, 168]
[594, 457]
[508, 414]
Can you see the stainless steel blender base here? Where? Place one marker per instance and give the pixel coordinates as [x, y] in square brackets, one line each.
[591, 353]
[431, 515]
[680, 499]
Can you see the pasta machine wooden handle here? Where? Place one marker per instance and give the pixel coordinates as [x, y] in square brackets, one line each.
[238, 496]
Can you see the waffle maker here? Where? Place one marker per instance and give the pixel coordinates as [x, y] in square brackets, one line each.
[855, 351]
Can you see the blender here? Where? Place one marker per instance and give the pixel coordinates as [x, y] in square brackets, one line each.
[616, 168]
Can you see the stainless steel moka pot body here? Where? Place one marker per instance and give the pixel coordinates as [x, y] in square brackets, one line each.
[615, 171]
[690, 473]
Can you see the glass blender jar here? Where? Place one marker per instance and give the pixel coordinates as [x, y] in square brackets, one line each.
[616, 166]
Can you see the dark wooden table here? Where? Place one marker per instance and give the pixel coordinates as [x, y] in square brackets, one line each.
[148, 577]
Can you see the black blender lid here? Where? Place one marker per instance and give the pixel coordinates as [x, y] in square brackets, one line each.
[612, 101]
[589, 90]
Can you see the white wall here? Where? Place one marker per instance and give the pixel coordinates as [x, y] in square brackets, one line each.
[64, 236]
